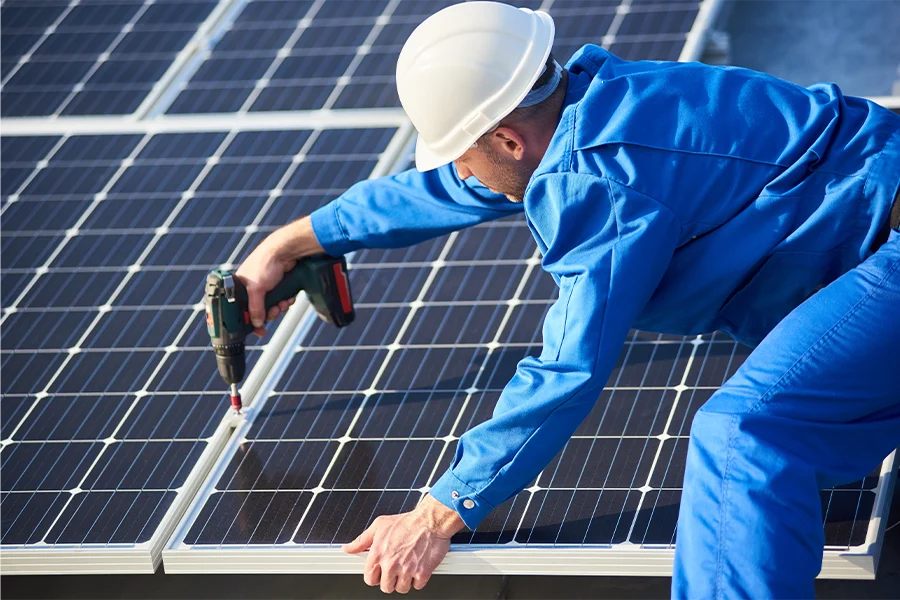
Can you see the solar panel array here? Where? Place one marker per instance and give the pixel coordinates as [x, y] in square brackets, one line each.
[342, 53]
[90, 57]
[112, 408]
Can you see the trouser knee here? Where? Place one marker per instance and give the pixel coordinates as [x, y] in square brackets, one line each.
[735, 437]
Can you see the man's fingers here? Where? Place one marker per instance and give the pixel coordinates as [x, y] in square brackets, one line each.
[363, 542]
[256, 302]
[273, 313]
[403, 585]
[400, 558]
[372, 576]
[420, 580]
[388, 582]
[260, 331]
[372, 572]
[284, 305]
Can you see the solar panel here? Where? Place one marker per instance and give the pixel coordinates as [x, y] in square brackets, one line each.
[110, 395]
[632, 30]
[365, 419]
[343, 53]
[90, 57]
[283, 56]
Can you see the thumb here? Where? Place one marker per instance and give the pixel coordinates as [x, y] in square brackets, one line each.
[363, 542]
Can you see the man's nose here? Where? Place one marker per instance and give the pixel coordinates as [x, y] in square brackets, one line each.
[462, 170]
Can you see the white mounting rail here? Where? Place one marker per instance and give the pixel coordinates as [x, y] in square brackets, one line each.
[696, 38]
[891, 102]
[287, 120]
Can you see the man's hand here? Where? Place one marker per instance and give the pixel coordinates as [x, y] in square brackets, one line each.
[267, 264]
[261, 272]
[405, 549]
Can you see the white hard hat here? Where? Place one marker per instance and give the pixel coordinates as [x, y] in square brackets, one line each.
[464, 69]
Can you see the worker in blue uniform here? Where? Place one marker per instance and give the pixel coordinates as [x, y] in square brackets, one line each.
[669, 197]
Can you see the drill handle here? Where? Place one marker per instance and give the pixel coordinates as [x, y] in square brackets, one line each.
[324, 278]
[293, 282]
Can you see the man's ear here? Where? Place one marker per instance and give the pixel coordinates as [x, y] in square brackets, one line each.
[508, 142]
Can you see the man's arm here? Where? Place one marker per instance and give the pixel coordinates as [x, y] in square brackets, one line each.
[405, 209]
[609, 247]
[389, 212]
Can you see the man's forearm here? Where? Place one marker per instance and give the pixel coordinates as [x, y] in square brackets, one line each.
[294, 240]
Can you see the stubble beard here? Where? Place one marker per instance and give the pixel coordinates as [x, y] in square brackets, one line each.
[511, 179]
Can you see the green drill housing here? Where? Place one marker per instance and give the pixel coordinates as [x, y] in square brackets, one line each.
[322, 277]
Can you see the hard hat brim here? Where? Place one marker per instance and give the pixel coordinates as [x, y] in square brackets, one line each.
[427, 160]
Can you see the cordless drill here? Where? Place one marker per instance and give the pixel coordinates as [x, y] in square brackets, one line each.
[322, 277]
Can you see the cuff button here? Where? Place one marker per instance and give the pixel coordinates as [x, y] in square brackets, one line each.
[454, 494]
[469, 503]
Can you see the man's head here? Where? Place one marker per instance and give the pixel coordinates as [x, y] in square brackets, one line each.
[477, 82]
[504, 158]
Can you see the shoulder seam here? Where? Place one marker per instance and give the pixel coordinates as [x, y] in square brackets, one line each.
[648, 197]
[686, 151]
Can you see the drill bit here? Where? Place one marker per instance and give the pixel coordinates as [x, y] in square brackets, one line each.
[236, 404]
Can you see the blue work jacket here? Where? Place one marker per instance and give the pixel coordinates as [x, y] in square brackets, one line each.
[674, 198]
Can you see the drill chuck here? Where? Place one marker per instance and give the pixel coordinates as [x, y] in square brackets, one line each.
[231, 361]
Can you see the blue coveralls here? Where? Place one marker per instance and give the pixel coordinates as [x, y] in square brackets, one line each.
[683, 198]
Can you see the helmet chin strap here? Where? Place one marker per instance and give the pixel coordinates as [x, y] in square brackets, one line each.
[542, 93]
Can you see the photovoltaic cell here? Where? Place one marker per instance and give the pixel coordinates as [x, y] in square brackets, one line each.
[343, 53]
[90, 57]
[110, 393]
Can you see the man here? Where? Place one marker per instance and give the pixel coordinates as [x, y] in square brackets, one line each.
[677, 198]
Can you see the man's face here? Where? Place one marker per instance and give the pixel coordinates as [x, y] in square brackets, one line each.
[501, 173]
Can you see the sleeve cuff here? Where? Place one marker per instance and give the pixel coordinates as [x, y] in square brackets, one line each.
[450, 491]
[329, 233]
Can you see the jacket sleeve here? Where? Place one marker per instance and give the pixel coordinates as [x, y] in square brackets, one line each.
[608, 247]
[404, 209]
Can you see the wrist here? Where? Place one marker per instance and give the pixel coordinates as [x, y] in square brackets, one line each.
[294, 240]
[440, 518]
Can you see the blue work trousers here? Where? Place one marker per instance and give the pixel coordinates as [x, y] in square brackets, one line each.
[817, 404]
